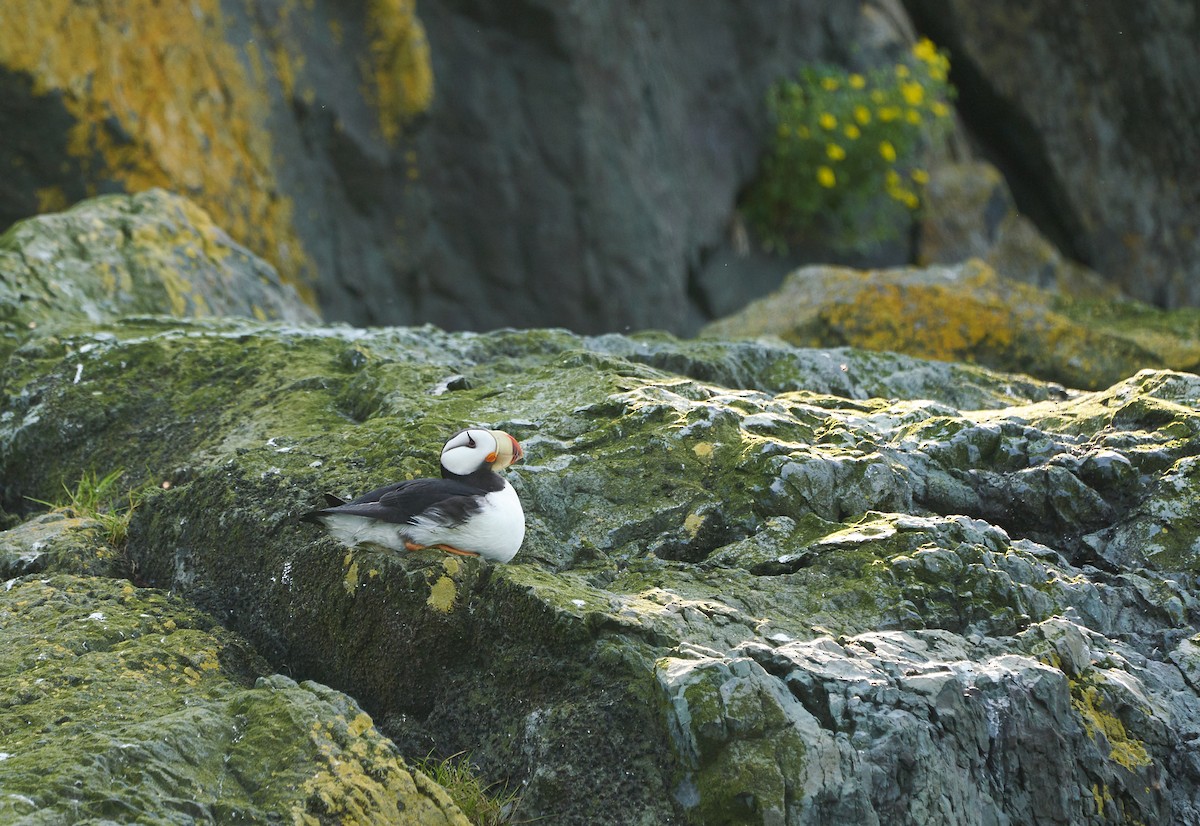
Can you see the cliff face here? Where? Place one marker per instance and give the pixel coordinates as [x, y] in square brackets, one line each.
[575, 164]
[761, 584]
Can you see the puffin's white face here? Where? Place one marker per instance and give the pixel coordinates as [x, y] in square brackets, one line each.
[474, 448]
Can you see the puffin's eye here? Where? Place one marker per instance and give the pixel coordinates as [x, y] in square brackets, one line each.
[470, 441]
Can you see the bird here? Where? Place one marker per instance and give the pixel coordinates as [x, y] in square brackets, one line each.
[470, 511]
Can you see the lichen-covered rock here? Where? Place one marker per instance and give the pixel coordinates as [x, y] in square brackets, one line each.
[122, 704]
[967, 312]
[151, 253]
[59, 542]
[759, 584]
[236, 104]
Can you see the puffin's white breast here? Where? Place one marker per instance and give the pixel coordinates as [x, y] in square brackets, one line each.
[495, 532]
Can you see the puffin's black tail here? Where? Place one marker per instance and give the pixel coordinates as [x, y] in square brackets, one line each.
[331, 501]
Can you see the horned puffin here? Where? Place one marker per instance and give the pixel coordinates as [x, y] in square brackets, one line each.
[470, 511]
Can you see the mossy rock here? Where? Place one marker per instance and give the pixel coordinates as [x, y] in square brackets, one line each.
[968, 313]
[123, 704]
[120, 255]
[727, 503]
[59, 542]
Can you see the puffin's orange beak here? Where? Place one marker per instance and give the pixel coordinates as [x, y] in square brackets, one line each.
[508, 450]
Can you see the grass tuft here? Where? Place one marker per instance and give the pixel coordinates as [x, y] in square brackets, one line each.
[482, 803]
[100, 498]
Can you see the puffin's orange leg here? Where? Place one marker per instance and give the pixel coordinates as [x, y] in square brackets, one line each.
[413, 546]
[452, 550]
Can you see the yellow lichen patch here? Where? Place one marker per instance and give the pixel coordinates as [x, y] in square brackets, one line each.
[703, 450]
[692, 524]
[51, 199]
[160, 98]
[1101, 796]
[1125, 750]
[400, 79]
[442, 595]
[359, 725]
[350, 580]
[929, 321]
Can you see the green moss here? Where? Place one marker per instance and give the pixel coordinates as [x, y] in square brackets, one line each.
[125, 703]
[666, 513]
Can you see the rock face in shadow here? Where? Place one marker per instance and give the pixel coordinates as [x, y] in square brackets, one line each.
[540, 163]
[1090, 114]
[458, 163]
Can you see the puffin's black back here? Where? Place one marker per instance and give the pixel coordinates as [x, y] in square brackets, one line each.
[455, 497]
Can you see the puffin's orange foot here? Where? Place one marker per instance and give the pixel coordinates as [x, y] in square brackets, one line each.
[451, 550]
[413, 546]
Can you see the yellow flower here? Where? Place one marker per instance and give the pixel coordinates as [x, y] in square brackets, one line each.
[851, 131]
[825, 177]
[857, 81]
[912, 116]
[892, 179]
[887, 151]
[829, 84]
[902, 71]
[925, 51]
[939, 109]
[835, 152]
[827, 121]
[887, 114]
[913, 92]
[877, 96]
[862, 114]
[920, 176]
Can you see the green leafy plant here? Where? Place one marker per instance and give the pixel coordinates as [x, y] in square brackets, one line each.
[483, 804]
[845, 145]
[100, 498]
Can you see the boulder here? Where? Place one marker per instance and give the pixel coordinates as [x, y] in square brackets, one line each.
[760, 584]
[123, 255]
[62, 542]
[969, 312]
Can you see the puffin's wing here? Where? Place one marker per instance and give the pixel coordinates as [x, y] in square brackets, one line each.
[402, 501]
